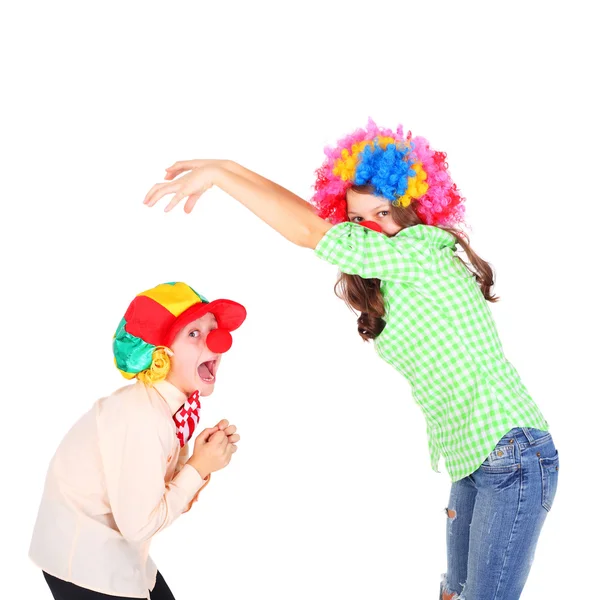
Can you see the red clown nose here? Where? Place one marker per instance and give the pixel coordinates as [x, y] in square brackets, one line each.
[219, 341]
[372, 225]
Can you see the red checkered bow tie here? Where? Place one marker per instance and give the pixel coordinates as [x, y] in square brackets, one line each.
[187, 418]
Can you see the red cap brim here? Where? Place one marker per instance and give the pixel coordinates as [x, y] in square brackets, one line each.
[229, 315]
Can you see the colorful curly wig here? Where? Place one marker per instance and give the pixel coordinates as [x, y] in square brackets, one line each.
[403, 169]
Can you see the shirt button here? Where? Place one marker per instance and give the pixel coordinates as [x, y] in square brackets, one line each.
[511, 441]
[538, 454]
[500, 453]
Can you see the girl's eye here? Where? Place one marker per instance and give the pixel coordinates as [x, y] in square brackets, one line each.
[384, 213]
[194, 333]
[357, 219]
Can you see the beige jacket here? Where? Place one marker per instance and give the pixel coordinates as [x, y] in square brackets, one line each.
[117, 478]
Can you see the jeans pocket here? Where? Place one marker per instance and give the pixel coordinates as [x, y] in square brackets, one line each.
[549, 469]
[501, 460]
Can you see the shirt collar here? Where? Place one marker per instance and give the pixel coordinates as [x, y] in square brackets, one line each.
[174, 397]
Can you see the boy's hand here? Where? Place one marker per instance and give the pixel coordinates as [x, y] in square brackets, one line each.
[212, 452]
[229, 431]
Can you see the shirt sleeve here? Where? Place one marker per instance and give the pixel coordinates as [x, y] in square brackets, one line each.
[357, 250]
[184, 454]
[183, 457]
[134, 446]
[195, 498]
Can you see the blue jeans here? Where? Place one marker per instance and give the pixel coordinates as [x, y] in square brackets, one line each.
[495, 516]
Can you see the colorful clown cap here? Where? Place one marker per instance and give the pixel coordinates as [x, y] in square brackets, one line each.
[403, 169]
[154, 318]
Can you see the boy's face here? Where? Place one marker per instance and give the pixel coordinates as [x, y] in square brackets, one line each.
[193, 365]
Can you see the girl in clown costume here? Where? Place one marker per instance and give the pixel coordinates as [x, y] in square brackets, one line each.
[122, 473]
[387, 213]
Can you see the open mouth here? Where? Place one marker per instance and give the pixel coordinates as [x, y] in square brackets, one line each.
[206, 371]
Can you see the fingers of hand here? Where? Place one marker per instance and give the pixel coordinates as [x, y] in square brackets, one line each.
[175, 200]
[205, 434]
[180, 166]
[151, 192]
[234, 439]
[159, 191]
[175, 169]
[190, 203]
[223, 424]
[218, 438]
[229, 429]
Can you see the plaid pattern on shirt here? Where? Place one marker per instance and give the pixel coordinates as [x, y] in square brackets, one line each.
[441, 336]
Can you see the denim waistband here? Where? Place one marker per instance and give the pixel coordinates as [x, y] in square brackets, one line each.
[526, 436]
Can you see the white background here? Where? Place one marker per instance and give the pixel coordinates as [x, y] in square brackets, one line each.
[331, 494]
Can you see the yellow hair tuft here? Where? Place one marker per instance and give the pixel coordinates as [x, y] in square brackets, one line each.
[159, 369]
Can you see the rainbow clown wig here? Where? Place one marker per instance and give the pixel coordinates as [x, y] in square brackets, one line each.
[403, 169]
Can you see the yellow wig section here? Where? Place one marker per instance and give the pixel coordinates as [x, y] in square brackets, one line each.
[345, 167]
[417, 187]
[158, 370]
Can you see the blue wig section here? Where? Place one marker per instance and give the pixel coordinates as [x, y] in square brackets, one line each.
[387, 170]
[132, 354]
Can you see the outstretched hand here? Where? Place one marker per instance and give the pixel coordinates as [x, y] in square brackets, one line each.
[181, 166]
[191, 186]
[279, 208]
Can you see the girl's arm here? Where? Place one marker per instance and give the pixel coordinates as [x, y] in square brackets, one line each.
[279, 208]
[285, 212]
[230, 165]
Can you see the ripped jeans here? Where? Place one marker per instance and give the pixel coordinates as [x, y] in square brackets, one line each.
[495, 516]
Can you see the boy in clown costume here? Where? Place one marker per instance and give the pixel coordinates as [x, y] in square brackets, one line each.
[123, 472]
[386, 212]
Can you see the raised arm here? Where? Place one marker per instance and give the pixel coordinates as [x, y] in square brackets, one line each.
[282, 210]
[187, 165]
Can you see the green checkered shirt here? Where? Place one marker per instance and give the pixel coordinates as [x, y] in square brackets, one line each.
[441, 336]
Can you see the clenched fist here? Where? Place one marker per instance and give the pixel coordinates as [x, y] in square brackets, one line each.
[213, 448]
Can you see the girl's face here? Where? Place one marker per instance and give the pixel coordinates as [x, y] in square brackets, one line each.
[193, 365]
[366, 207]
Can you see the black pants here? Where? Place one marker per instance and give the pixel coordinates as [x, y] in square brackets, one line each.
[63, 590]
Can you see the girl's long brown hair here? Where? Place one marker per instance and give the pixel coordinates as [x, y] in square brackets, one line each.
[364, 295]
